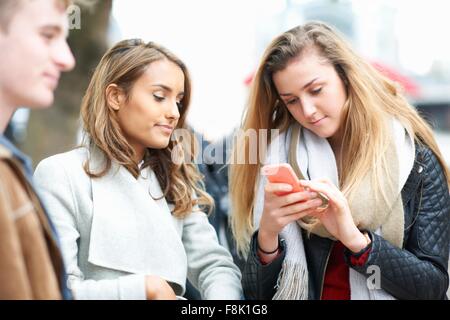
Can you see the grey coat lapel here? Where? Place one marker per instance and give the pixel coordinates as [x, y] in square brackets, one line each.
[130, 231]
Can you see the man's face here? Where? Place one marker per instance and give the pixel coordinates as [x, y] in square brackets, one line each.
[33, 53]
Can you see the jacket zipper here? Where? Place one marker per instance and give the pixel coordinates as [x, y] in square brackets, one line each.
[325, 270]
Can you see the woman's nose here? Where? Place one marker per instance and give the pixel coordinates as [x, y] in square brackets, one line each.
[173, 111]
[308, 108]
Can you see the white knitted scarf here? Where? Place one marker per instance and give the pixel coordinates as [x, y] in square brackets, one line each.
[316, 160]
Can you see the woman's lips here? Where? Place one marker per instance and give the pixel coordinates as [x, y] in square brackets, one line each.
[317, 122]
[165, 128]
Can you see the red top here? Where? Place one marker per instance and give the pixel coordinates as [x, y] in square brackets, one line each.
[336, 285]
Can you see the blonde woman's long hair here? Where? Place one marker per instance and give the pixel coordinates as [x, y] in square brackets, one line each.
[122, 65]
[370, 98]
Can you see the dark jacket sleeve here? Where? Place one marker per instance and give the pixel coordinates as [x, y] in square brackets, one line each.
[419, 270]
[258, 280]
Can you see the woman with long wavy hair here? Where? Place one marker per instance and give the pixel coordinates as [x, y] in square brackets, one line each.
[128, 212]
[373, 219]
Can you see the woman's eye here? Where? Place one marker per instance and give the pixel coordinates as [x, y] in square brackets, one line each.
[316, 91]
[291, 101]
[158, 98]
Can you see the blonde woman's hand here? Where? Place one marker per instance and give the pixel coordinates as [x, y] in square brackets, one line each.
[279, 211]
[157, 288]
[337, 217]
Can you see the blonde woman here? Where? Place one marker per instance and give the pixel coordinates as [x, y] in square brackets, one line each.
[353, 139]
[127, 215]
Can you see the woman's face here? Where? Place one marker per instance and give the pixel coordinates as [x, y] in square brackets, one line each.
[151, 114]
[313, 93]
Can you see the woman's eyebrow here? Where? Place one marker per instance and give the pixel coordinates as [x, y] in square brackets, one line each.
[166, 88]
[304, 87]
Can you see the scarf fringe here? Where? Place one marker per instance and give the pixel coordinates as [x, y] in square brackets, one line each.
[292, 283]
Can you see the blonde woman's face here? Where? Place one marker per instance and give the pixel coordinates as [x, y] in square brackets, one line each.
[313, 93]
[152, 111]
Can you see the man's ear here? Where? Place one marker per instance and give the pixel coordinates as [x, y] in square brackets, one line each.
[115, 97]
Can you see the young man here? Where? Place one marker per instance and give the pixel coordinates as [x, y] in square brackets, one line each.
[33, 53]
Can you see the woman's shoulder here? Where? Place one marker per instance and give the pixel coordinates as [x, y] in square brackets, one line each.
[430, 168]
[426, 166]
[71, 162]
[426, 157]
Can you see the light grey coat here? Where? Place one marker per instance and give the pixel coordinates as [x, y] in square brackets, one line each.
[113, 233]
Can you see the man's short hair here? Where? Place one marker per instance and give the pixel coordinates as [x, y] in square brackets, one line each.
[9, 7]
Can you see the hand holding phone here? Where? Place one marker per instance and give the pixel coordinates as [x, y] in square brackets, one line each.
[280, 211]
[282, 173]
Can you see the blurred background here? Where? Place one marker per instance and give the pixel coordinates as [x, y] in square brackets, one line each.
[221, 41]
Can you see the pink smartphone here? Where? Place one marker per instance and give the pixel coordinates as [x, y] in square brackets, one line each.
[282, 173]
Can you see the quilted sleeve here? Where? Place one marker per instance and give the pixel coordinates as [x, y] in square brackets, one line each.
[258, 280]
[419, 271]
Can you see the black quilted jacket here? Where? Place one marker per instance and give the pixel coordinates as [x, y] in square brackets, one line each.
[418, 271]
